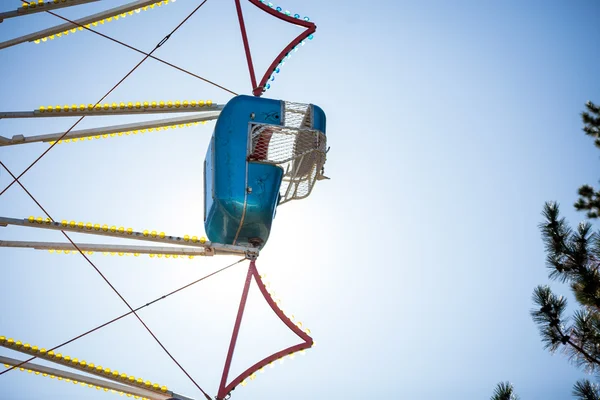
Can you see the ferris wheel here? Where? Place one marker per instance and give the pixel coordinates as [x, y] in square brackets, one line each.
[263, 153]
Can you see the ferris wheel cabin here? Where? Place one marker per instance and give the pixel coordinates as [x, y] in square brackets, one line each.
[263, 153]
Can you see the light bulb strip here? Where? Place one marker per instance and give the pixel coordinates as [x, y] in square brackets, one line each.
[59, 29]
[82, 365]
[127, 233]
[108, 134]
[110, 249]
[115, 109]
[41, 6]
[82, 380]
[133, 108]
[107, 131]
[102, 21]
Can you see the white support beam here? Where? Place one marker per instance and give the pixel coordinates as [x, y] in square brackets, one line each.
[111, 248]
[88, 380]
[215, 248]
[20, 139]
[47, 6]
[80, 22]
[110, 111]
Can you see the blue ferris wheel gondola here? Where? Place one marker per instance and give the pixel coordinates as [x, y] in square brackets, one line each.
[263, 153]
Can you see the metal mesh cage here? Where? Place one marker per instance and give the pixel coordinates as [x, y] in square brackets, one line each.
[299, 150]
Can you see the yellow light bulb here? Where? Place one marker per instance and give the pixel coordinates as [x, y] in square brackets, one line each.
[88, 225]
[201, 103]
[153, 104]
[136, 254]
[130, 105]
[72, 224]
[114, 106]
[161, 104]
[161, 235]
[153, 233]
[105, 228]
[121, 229]
[145, 233]
[138, 105]
[146, 104]
[202, 240]
[194, 239]
[177, 104]
[105, 106]
[129, 231]
[80, 225]
[58, 108]
[152, 255]
[113, 229]
[96, 227]
[209, 103]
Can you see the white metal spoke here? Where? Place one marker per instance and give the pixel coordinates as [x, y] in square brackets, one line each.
[214, 248]
[20, 139]
[82, 21]
[37, 8]
[119, 387]
[101, 110]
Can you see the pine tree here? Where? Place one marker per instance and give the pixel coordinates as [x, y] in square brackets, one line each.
[573, 257]
[504, 391]
[589, 199]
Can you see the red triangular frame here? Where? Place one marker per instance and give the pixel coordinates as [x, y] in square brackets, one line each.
[258, 89]
[224, 388]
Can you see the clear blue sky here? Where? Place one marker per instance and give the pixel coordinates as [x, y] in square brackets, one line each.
[450, 124]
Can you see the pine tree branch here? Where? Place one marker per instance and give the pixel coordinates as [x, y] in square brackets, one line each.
[585, 390]
[504, 391]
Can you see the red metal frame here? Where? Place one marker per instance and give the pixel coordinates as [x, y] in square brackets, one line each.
[225, 389]
[258, 90]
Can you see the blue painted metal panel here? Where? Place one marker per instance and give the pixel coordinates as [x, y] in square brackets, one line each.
[233, 214]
